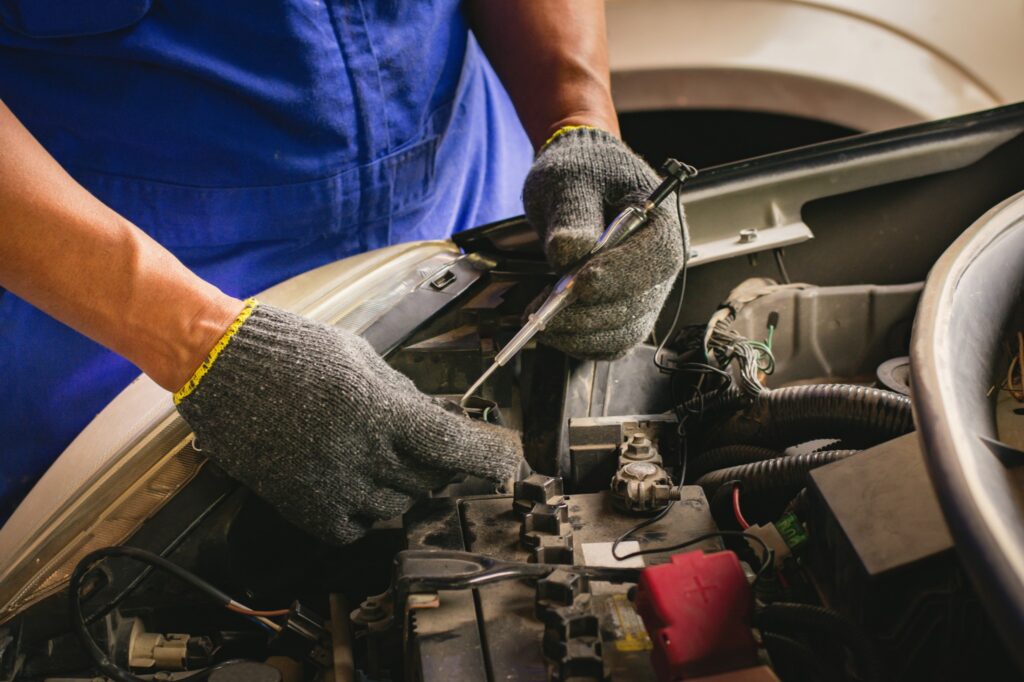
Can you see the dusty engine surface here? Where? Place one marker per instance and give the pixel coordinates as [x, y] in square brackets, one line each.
[777, 435]
[562, 626]
[748, 504]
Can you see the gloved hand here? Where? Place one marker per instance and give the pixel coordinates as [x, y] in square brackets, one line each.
[314, 421]
[579, 182]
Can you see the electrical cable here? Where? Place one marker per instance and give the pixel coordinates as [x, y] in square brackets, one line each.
[859, 416]
[668, 507]
[704, 370]
[731, 455]
[737, 510]
[171, 547]
[686, 455]
[788, 617]
[238, 608]
[1016, 388]
[638, 527]
[727, 345]
[701, 368]
[204, 674]
[799, 654]
[782, 475]
[682, 288]
[766, 562]
[100, 658]
[274, 627]
[156, 561]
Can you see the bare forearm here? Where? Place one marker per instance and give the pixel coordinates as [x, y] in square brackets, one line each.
[74, 258]
[552, 56]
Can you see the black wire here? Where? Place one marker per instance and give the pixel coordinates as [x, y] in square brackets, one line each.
[205, 673]
[668, 507]
[702, 368]
[638, 527]
[768, 560]
[798, 653]
[684, 367]
[800, 617]
[134, 584]
[99, 657]
[682, 288]
[699, 368]
[686, 454]
[156, 561]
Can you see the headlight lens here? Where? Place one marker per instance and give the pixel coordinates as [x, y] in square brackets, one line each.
[137, 453]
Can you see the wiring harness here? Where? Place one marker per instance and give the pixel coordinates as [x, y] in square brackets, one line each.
[100, 657]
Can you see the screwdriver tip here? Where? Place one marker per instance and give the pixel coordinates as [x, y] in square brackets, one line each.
[477, 384]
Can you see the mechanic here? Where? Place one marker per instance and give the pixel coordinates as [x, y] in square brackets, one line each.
[160, 161]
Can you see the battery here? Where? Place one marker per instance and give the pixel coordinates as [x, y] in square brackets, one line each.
[555, 628]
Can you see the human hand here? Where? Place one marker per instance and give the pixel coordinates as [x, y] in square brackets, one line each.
[579, 182]
[315, 422]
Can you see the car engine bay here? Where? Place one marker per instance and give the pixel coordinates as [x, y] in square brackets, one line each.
[742, 497]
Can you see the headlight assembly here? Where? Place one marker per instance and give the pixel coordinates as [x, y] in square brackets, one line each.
[137, 453]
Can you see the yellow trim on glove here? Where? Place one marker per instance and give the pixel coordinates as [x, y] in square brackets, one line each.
[197, 376]
[562, 131]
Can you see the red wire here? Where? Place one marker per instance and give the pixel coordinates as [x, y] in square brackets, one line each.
[736, 510]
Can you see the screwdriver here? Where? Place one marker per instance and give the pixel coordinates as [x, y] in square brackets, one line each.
[563, 294]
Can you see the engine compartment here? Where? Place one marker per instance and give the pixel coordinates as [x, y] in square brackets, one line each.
[767, 446]
[861, 538]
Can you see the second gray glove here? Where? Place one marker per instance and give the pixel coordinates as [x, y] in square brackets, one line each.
[314, 421]
[579, 182]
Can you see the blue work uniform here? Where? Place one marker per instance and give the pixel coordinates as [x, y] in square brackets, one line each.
[254, 140]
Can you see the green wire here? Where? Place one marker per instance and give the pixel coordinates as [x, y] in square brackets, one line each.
[766, 361]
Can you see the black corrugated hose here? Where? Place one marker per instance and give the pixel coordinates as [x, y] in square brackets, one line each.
[779, 475]
[729, 456]
[789, 617]
[728, 399]
[799, 656]
[858, 415]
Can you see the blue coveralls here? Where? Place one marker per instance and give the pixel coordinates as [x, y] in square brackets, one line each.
[255, 140]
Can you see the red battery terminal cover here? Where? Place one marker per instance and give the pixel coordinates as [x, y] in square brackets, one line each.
[697, 610]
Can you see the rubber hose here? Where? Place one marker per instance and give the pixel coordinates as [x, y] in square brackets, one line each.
[858, 415]
[834, 445]
[787, 617]
[797, 654]
[728, 399]
[729, 456]
[777, 475]
[798, 505]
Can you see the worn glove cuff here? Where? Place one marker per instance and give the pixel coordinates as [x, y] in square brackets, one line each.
[197, 376]
[562, 131]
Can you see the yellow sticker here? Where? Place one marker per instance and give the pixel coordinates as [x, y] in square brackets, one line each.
[631, 633]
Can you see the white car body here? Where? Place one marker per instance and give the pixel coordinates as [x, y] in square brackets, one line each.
[865, 64]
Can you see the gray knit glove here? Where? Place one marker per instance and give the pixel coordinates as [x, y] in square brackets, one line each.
[314, 421]
[580, 181]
